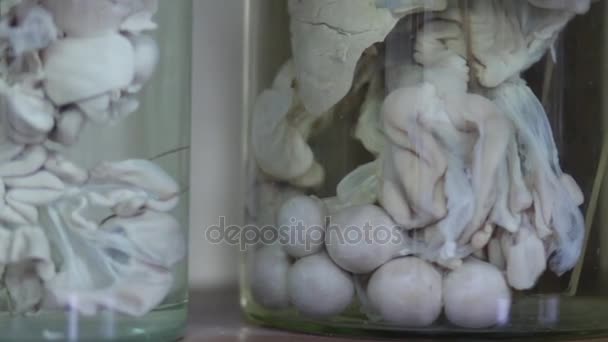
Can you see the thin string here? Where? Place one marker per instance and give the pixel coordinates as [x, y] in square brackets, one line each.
[166, 153]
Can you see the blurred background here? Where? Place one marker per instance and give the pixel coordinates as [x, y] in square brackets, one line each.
[222, 88]
[217, 108]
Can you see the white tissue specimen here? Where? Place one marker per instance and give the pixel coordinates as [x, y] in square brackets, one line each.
[469, 164]
[462, 168]
[69, 237]
[279, 129]
[339, 31]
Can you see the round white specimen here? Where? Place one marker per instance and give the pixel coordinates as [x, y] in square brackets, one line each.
[68, 127]
[476, 295]
[526, 260]
[362, 238]
[147, 54]
[269, 277]
[319, 288]
[302, 226]
[95, 66]
[406, 291]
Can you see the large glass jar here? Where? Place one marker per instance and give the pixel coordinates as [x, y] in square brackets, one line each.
[427, 167]
[95, 118]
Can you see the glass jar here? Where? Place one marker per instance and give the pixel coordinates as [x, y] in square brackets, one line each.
[94, 162]
[427, 167]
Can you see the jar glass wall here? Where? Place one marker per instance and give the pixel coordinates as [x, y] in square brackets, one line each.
[94, 169]
[429, 167]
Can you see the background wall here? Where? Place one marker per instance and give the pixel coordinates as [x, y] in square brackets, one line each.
[226, 34]
[216, 135]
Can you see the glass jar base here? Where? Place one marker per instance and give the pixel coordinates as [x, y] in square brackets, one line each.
[164, 324]
[532, 316]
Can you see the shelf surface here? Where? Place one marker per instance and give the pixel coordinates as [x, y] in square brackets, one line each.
[215, 317]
